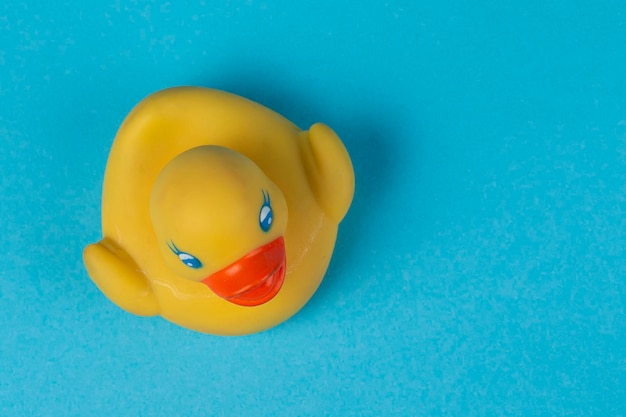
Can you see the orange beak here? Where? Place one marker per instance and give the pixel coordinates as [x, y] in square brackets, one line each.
[254, 279]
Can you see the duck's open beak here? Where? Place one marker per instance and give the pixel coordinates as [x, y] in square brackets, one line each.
[253, 279]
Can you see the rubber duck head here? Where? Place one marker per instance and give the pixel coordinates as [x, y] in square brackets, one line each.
[220, 221]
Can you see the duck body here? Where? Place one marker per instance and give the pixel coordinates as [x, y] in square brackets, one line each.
[217, 213]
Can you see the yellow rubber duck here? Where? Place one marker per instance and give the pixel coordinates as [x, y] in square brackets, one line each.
[217, 213]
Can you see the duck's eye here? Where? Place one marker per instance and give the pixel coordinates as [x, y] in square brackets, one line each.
[266, 215]
[190, 260]
[186, 258]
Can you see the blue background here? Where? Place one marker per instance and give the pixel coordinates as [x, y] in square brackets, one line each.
[480, 271]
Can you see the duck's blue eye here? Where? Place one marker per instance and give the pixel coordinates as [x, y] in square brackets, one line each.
[186, 258]
[266, 215]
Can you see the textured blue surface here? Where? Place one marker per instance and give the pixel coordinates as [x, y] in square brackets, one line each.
[481, 270]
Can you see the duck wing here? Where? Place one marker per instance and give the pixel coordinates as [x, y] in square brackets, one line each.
[119, 278]
[329, 170]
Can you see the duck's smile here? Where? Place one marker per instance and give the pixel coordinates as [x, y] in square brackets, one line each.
[254, 279]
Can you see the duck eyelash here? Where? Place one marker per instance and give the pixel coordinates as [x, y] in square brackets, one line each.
[173, 247]
[266, 197]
